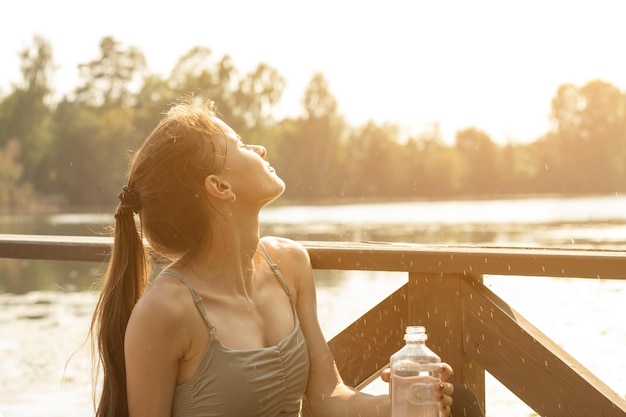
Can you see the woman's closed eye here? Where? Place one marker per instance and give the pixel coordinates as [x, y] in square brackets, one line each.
[245, 146]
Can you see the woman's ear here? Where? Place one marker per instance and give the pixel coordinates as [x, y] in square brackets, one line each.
[218, 188]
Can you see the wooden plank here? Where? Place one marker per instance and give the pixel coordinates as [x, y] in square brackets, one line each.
[61, 248]
[372, 257]
[435, 302]
[528, 363]
[604, 264]
[57, 248]
[364, 347]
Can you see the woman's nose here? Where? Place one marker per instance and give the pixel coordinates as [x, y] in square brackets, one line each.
[261, 150]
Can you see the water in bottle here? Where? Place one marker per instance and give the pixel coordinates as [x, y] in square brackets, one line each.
[414, 373]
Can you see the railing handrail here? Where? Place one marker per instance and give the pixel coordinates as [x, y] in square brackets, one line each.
[372, 256]
[444, 286]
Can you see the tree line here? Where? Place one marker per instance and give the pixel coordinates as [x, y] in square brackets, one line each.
[74, 152]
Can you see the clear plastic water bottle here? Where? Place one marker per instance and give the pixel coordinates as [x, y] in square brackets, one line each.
[414, 373]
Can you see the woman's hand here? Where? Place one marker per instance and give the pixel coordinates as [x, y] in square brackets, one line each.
[444, 390]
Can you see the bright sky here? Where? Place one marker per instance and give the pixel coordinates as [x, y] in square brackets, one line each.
[491, 64]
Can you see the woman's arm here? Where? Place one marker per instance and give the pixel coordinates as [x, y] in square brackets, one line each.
[153, 347]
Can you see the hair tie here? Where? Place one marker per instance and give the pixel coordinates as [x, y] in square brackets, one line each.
[129, 200]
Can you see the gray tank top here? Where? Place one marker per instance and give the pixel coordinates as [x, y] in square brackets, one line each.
[268, 382]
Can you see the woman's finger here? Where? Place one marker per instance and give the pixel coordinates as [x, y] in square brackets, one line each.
[444, 388]
[385, 375]
[444, 397]
[445, 371]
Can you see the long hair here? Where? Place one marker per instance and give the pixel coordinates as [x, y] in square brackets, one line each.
[165, 188]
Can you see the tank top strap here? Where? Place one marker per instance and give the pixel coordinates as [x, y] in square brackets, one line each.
[196, 297]
[276, 271]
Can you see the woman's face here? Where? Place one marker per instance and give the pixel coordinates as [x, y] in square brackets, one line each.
[251, 177]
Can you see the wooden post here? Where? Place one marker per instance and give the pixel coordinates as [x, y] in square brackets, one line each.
[435, 302]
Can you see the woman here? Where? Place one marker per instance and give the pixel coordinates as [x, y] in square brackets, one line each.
[230, 327]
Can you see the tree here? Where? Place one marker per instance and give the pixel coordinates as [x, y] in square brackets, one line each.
[523, 169]
[25, 115]
[312, 144]
[257, 94]
[434, 170]
[372, 162]
[244, 102]
[108, 79]
[196, 73]
[152, 100]
[480, 154]
[13, 193]
[589, 130]
[89, 164]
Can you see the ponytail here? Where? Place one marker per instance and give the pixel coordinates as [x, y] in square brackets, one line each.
[125, 280]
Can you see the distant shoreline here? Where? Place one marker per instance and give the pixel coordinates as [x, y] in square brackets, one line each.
[55, 205]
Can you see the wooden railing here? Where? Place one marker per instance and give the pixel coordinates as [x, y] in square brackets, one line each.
[469, 326]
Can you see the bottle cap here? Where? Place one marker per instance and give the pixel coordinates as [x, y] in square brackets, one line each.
[415, 333]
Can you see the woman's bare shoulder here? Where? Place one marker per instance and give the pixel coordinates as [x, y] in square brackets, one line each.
[166, 302]
[293, 260]
[158, 334]
[285, 249]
